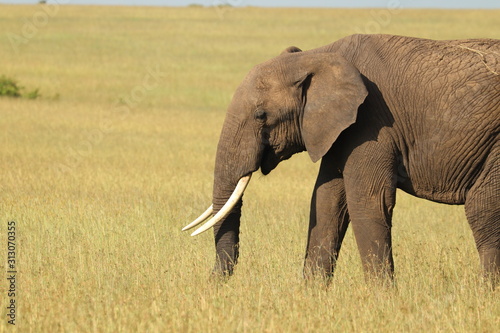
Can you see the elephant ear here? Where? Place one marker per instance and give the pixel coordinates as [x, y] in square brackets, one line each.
[291, 49]
[332, 90]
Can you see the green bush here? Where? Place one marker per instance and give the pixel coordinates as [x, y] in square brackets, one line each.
[10, 88]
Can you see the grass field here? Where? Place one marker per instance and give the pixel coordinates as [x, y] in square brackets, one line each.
[102, 172]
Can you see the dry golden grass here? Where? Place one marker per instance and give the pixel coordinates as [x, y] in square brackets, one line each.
[102, 172]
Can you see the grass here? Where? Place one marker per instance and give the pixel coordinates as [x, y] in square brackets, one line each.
[101, 179]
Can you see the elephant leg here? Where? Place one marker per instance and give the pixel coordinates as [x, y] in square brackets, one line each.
[371, 197]
[327, 224]
[482, 207]
[371, 222]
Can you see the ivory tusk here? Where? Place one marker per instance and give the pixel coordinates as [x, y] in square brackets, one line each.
[200, 219]
[228, 206]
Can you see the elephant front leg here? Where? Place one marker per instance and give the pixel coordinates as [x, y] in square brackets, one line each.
[328, 223]
[371, 197]
[371, 216]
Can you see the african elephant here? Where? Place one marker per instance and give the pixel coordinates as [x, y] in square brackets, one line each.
[381, 112]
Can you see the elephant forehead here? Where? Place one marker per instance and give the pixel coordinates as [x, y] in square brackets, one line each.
[256, 85]
[246, 97]
[263, 85]
[262, 94]
[265, 74]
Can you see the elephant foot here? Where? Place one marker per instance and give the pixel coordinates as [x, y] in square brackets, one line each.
[490, 260]
[319, 269]
[219, 278]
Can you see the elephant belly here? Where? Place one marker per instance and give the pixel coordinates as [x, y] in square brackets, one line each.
[440, 174]
[446, 155]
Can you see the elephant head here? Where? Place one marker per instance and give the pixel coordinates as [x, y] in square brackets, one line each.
[294, 102]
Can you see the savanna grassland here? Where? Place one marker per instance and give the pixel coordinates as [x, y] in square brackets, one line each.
[102, 171]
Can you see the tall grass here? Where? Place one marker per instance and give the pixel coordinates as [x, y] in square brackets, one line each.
[101, 179]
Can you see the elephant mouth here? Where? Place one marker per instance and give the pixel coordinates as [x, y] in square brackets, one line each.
[272, 156]
[269, 160]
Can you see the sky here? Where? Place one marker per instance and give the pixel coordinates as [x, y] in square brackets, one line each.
[483, 4]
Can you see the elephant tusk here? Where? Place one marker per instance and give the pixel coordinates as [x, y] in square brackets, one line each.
[228, 206]
[200, 219]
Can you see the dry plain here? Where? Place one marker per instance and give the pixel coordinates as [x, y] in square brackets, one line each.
[101, 172]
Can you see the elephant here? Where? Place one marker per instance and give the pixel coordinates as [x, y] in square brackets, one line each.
[381, 112]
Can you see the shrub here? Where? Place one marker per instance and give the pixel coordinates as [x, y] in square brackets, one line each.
[10, 88]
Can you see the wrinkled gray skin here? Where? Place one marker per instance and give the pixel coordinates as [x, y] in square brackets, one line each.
[381, 112]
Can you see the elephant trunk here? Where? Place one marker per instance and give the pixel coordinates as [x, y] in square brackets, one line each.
[226, 235]
[228, 176]
[236, 160]
[226, 224]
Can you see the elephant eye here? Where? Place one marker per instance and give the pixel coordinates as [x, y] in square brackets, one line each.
[260, 115]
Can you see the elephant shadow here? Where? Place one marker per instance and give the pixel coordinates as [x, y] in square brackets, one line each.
[374, 114]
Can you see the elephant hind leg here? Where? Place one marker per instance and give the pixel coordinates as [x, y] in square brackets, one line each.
[482, 207]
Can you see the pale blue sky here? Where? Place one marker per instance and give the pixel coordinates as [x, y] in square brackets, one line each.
[489, 4]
